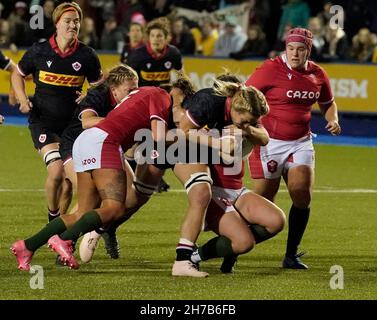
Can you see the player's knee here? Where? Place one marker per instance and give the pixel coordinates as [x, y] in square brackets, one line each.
[200, 195]
[277, 222]
[112, 210]
[243, 243]
[301, 196]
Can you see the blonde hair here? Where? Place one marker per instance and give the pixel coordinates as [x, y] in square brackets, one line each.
[64, 7]
[118, 74]
[244, 99]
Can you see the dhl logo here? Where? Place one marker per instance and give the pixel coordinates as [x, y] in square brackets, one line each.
[155, 76]
[57, 79]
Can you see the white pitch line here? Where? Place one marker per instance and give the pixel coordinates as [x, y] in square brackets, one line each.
[183, 191]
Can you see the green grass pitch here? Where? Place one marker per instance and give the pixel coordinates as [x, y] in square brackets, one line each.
[341, 231]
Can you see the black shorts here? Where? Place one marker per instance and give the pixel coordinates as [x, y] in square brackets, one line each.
[65, 149]
[45, 132]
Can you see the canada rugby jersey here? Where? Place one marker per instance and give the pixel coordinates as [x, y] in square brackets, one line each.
[290, 95]
[153, 70]
[98, 100]
[136, 111]
[205, 108]
[58, 76]
[4, 62]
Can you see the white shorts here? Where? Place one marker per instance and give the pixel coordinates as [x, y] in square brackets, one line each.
[274, 160]
[94, 150]
[221, 203]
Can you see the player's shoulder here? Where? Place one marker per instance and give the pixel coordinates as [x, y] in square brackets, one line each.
[272, 63]
[316, 68]
[40, 47]
[173, 50]
[86, 50]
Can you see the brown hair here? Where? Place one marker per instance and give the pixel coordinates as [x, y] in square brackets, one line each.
[161, 23]
[64, 7]
[245, 99]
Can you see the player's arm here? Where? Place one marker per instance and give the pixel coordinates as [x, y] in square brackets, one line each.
[332, 119]
[89, 118]
[257, 135]
[18, 84]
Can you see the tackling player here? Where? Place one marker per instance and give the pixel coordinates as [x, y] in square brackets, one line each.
[292, 84]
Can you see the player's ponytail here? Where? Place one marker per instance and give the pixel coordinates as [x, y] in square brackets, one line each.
[244, 99]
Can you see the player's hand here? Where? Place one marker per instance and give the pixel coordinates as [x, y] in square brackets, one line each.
[26, 106]
[81, 96]
[333, 127]
[1, 119]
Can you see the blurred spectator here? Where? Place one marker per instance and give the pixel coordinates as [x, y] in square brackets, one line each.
[231, 40]
[182, 37]
[126, 9]
[363, 44]
[255, 45]
[112, 36]
[206, 38]
[88, 33]
[135, 40]
[4, 33]
[48, 26]
[325, 14]
[295, 13]
[336, 45]
[260, 12]
[279, 45]
[21, 35]
[318, 31]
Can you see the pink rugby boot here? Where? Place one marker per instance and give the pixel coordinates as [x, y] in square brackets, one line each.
[23, 254]
[64, 248]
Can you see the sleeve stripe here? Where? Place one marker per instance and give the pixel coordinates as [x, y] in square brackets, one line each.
[89, 109]
[153, 116]
[192, 119]
[327, 102]
[98, 81]
[19, 70]
[8, 65]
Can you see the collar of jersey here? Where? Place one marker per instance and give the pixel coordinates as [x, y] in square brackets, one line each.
[153, 54]
[285, 60]
[56, 48]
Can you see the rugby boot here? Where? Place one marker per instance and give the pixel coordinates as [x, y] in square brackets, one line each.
[64, 248]
[23, 255]
[294, 262]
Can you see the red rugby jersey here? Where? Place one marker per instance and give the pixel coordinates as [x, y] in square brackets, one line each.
[291, 95]
[136, 111]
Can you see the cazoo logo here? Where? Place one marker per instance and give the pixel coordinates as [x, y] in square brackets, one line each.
[88, 161]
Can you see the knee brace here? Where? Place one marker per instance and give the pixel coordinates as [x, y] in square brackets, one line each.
[51, 156]
[143, 188]
[196, 178]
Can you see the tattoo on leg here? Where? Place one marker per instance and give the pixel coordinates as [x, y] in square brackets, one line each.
[115, 190]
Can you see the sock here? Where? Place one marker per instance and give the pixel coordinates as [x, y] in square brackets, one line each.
[114, 226]
[195, 256]
[52, 214]
[184, 249]
[298, 219]
[56, 226]
[260, 233]
[88, 222]
[216, 247]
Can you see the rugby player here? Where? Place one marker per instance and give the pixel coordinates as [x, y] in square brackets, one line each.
[292, 84]
[59, 67]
